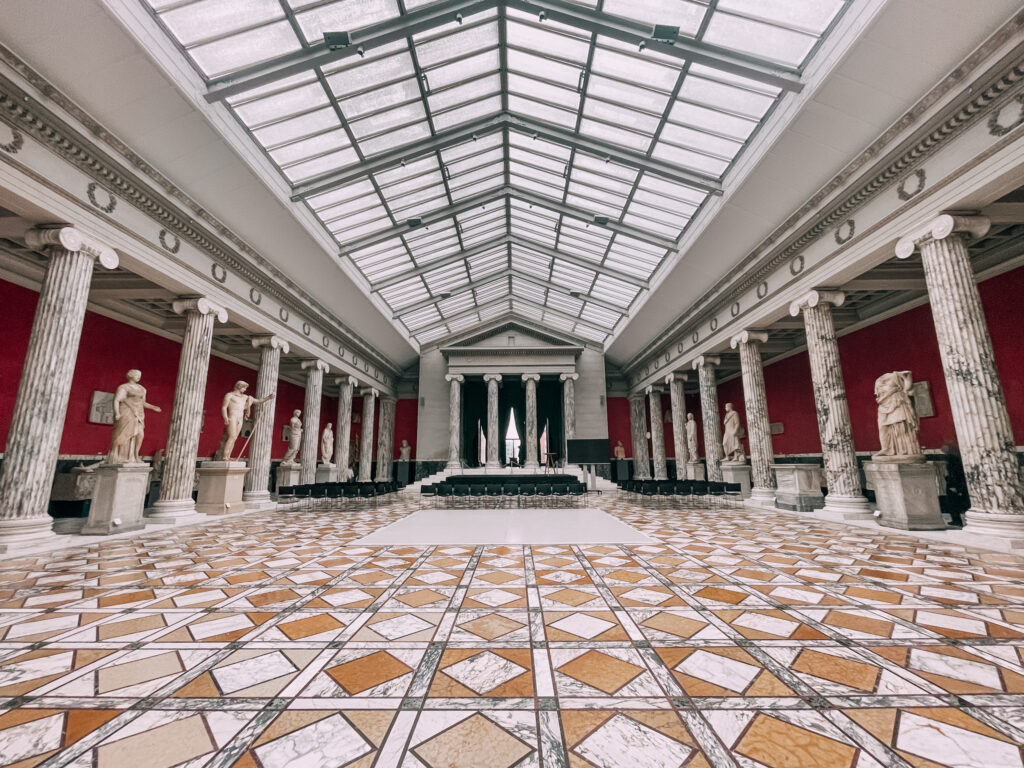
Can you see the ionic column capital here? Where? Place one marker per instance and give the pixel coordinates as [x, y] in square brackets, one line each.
[814, 298]
[654, 388]
[274, 342]
[568, 376]
[454, 377]
[940, 228]
[364, 391]
[200, 305]
[315, 365]
[346, 381]
[71, 239]
[531, 377]
[489, 377]
[706, 361]
[675, 376]
[748, 337]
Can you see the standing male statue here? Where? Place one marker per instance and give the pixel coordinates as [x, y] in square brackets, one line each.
[691, 437]
[235, 408]
[732, 431]
[294, 437]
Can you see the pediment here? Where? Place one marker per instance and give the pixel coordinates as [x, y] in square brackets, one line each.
[512, 335]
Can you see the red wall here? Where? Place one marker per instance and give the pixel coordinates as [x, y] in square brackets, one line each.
[108, 349]
[618, 422]
[405, 424]
[904, 342]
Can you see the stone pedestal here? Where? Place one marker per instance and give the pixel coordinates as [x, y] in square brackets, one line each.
[328, 473]
[737, 472]
[119, 499]
[906, 495]
[622, 472]
[220, 487]
[799, 487]
[403, 472]
[695, 471]
[288, 474]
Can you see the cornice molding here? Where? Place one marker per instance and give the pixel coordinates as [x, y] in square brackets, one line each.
[990, 89]
[524, 351]
[25, 113]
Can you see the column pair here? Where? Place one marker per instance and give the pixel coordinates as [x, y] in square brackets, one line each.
[33, 441]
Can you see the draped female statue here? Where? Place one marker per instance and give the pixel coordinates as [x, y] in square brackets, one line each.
[129, 420]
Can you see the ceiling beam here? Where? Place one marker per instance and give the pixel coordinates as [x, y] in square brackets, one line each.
[868, 283]
[365, 39]
[563, 290]
[488, 125]
[634, 32]
[451, 259]
[459, 315]
[578, 261]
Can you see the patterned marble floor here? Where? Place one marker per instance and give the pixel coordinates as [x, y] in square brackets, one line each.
[739, 639]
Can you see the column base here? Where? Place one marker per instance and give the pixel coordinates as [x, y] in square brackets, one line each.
[980, 522]
[531, 466]
[258, 501]
[661, 475]
[453, 466]
[173, 512]
[34, 532]
[119, 500]
[761, 497]
[492, 466]
[845, 508]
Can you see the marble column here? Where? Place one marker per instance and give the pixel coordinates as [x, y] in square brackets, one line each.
[638, 428]
[175, 502]
[366, 438]
[568, 411]
[386, 438]
[976, 396]
[315, 370]
[678, 400]
[343, 433]
[657, 433]
[755, 400]
[532, 438]
[454, 421]
[33, 440]
[706, 365]
[842, 476]
[492, 379]
[256, 493]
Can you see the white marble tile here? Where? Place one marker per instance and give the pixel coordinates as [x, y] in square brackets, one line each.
[400, 626]
[331, 741]
[582, 625]
[259, 669]
[771, 625]
[958, 669]
[648, 596]
[625, 743]
[204, 629]
[484, 672]
[948, 745]
[495, 597]
[945, 621]
[32, 738]
[724, 672]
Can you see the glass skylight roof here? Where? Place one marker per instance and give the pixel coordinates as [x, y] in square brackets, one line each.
[501, 163]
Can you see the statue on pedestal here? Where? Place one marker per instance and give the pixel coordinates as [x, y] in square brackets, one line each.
[234, 409]
[897, 420]
[732, 432]
[294, 437]
[129, 420]
[619, 451]
[327, 444]
[404, 451]
[691, 437]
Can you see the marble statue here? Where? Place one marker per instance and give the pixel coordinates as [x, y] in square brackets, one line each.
[620, 452]
[327, 444]
[129, 420]
[294, 437]
[691, 437]
[404, 451]
[234, 409]
[732, 431]
[897, 420]
[158, 465]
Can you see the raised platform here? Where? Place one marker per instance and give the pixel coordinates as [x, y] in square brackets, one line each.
[509, 477]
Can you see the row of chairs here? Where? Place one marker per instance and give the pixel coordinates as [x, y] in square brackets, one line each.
[322, 493]
[500, 494]
[694, 493]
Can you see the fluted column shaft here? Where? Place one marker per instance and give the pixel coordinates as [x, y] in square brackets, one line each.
[678, 400]
[455, 421]
[343, 435]
[657, 433]
[492, 380]
[187, 413]
[838, 455]
[315, 370]
[366, 438]
[257, 479]
[638, 428]
[568, 411]
[976, 396]
[706, 367]
[37, 423]
[385, 439]
[755, 400]
[532, 439]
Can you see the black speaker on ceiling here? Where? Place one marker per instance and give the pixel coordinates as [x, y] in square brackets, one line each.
[664, 33]
[337, 40]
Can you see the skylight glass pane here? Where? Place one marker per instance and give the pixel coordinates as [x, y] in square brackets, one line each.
[209, 19]
[710, 120]
[614, 291]
[810, 16]
[279, 105]
[634, 69]
[370, 74]
[245, 49]
[404, 294]
[463, 69]
[492, 312]
[446, 278]
[297, 127]
[315, 145]
[589, 333]
[535, 109]
[526, 310]
[467, 113]
[458, 303]
[599, 316]
[689, 138]
[547, 41]
[464, 322]
[421, 318]
[429, 336]
[564, 303]
[319, 165]
[741, 34]
[491, 291]
[739, 100]
[394, 139]
[475, 89]
[459, 44]
[400, 93]
[615, 134]
[571, 276]
[677, 13]
[530, 262]
[539, 67]
[624, 93]
[483, 265]
[342, 16]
